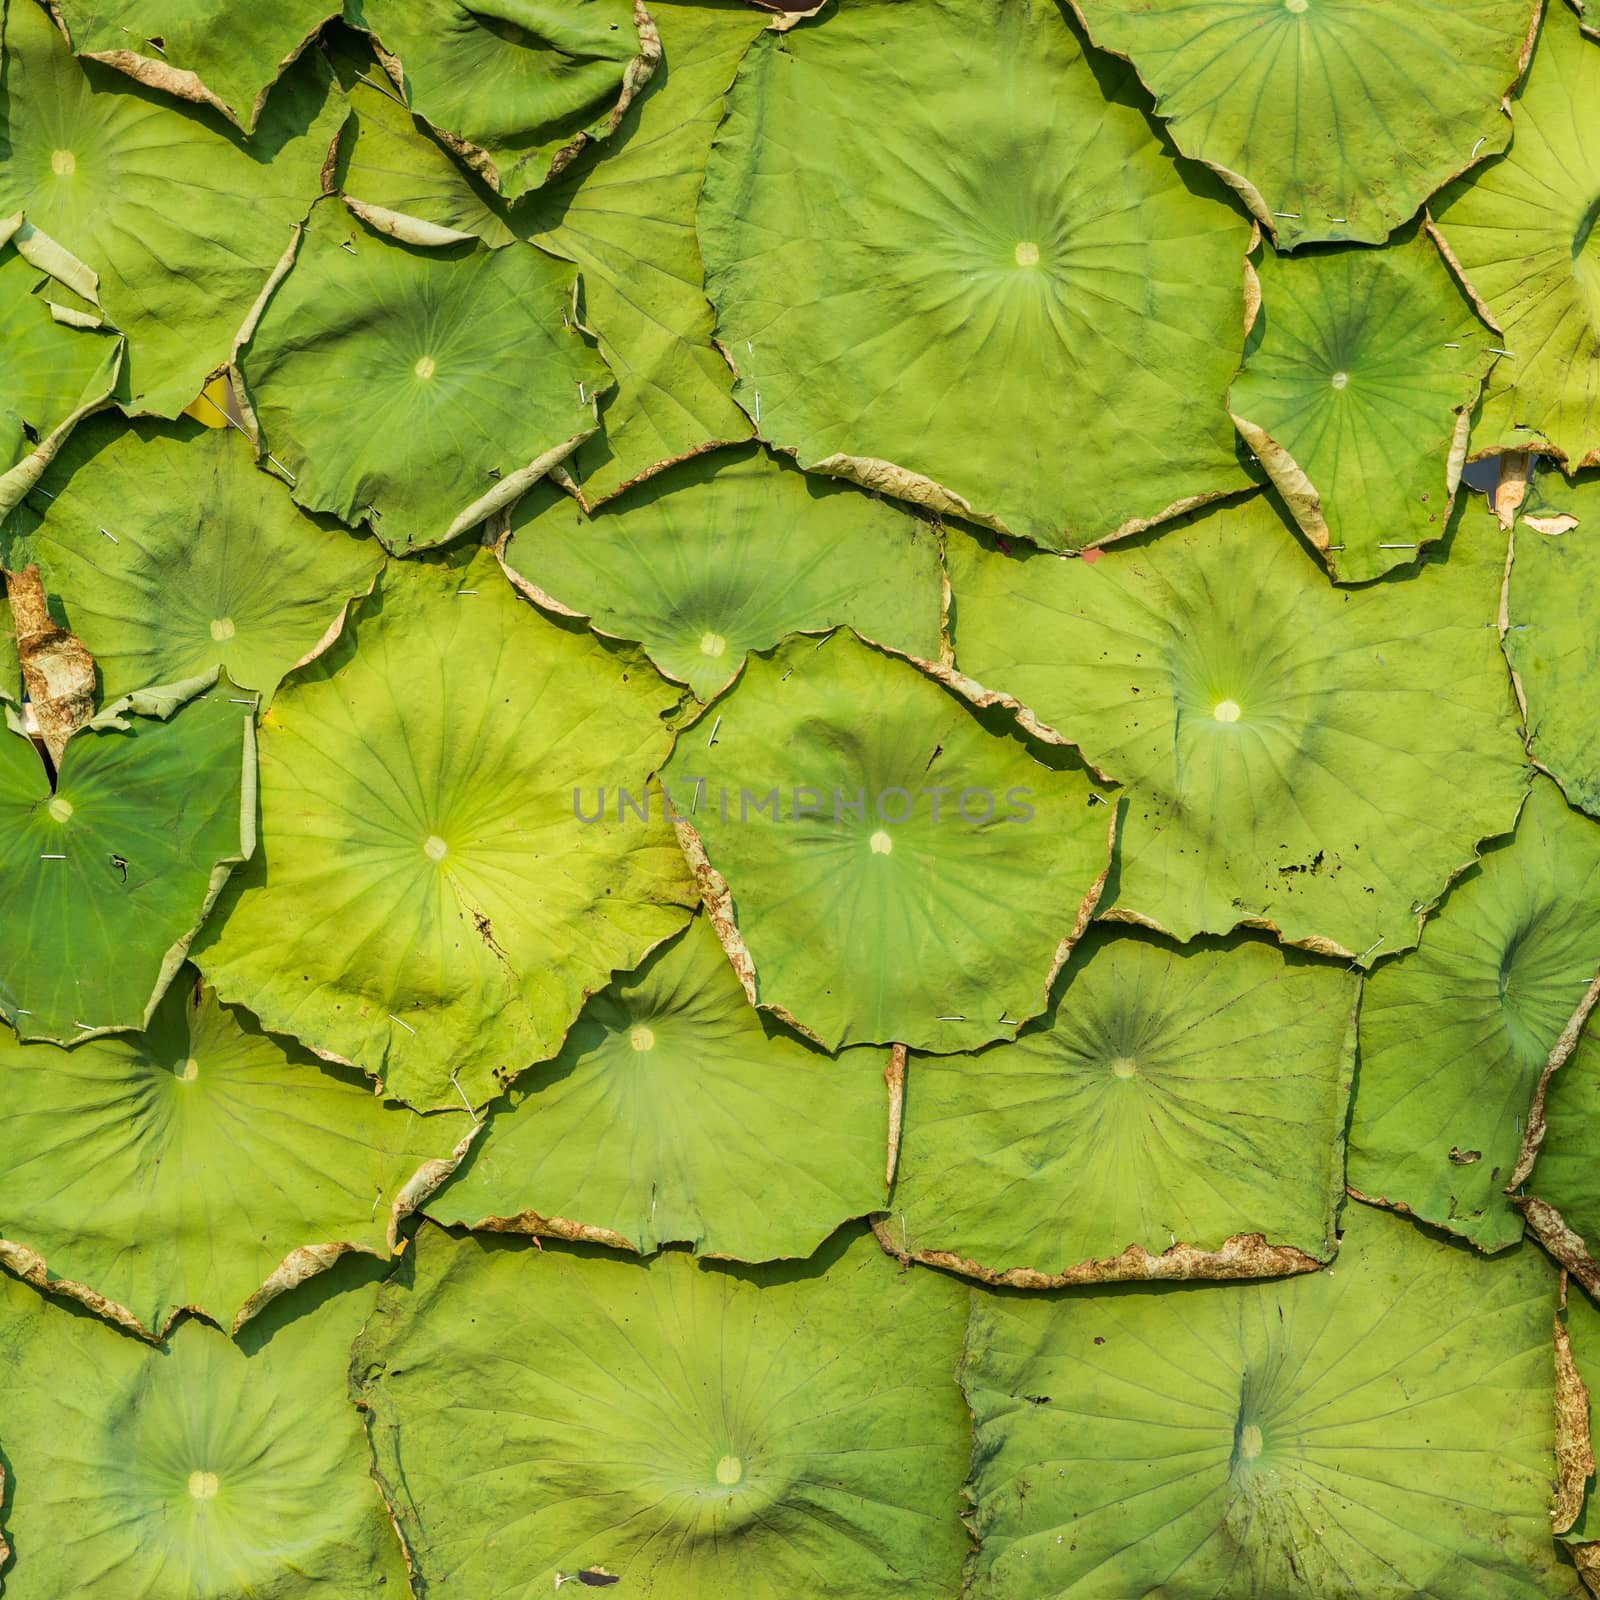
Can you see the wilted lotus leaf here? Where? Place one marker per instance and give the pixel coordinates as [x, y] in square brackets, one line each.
[193, 1470]
[1553, 642]
[916, 299]
[1520, 234]
[729, 554]
[182, 220]
[202, 1163]
[1314, 761]
[882, 864]
[676, 1113]
[53, 373]
[1382, 1430]
[427, 902]
[1357, 389]
[1332, 121]
[1577, 1522]
[470, 381]
[174, 555]
[1176, 1113]
[621, 219]
[515, 87]
[1454, 1036]
[209, 51]
[690, 1430]
[113, 871]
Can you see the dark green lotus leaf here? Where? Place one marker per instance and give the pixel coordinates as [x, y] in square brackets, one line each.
[728, 554]
[1333, 121]
[114, 871]
[675, 1113]
[417, 788]
[915, 298]
[193, 1470]
[208, 51]
[1553, 641]
[1314, 761]
[182, 220]
[1454, 1035]
[53, 373]
[203, 1163]
[1356, 394]
[1520, 234]
[515, 87]
[1379, 1431]
[174, 555]
[1171, 1102]
[884, 865]
[470, 381]
[620, 218]
[685, 1429]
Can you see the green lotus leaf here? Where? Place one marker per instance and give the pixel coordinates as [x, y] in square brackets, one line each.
[670, 1109]
[203, 1163]
[1378, 1431]
[53, 374]
[1331, 121]
[418, 793]
[194, 1470]
[727, 554]
[174, 556]
[10, 665]
[916, 300]
[114, 871]
[515, 87]
[1553, 642]
[471, 381]
[1520, 236]
[882, 863]
[183, 221]
[1454, 1036]
[1177, 1112]
[208, 51]
[1318, 762]
[689, 1429]
[1356, 394]
[620, 218]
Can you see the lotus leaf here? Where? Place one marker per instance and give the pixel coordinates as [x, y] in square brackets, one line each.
[1582, 1534]
[417, 785]
[176, 556]
[1194, 1094]
[1553, 642]
[1453, 1036]
[114, 870]
[675, 1113]
[727, 554]
[473, 383]
[1318, 762]
[1379, 1431]
[514, 87]
[882, 864]
[1520, 236]
[1333, 121]
[209, 51]
[203, 1163]
[682, 1430]
[917, 300]
[182, 220]
[192, 1472]
[621, 221]
[1356, 394]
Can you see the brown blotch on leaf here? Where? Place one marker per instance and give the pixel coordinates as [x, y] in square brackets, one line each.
[57, 671]
[1574, 1451]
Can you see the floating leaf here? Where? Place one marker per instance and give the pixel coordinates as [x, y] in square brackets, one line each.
[691, 1430]
[1317, 762]
[475, 909]
[676, 1113]
[916, 300]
